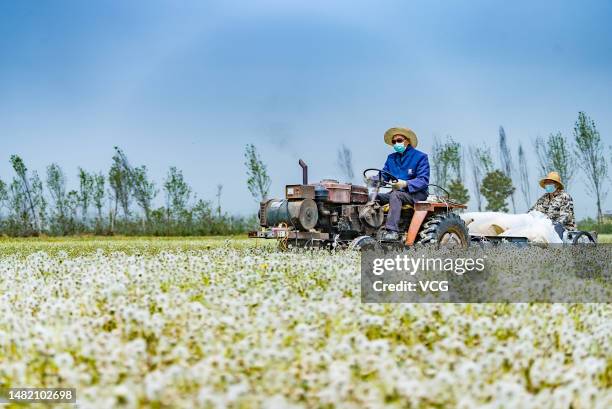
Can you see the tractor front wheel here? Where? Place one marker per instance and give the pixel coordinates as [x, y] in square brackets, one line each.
[363, 243]
[444, 229]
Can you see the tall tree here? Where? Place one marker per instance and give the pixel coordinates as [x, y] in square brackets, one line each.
[177, 191]
[40, 202]
[4, 200]
[98, 194]
[452, 156]
[56, 184]
[86, 190]
[258, 180]
[496, 188]
[345, 162]
[590, 152]
[120, 182]
[438, 163]
[144, 190]
[114, 192]
[506, 160]
[3, 194]
[476, 175]
[19, 205]
[481, 164]
[524, 177]
[72, 206]
[21, 171]
[448, 169]
[447, 162]
[554, 154]
[136, 183]
[219, 190]
[203, 217]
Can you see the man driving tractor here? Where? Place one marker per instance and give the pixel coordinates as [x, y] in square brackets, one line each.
[556, 204]
[411, 168]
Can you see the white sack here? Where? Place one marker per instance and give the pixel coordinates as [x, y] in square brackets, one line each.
[533, 225]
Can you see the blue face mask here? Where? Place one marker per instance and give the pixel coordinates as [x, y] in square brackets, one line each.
[399, 147]
[550, 188]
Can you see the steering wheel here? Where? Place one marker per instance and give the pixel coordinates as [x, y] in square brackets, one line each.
[381, 172]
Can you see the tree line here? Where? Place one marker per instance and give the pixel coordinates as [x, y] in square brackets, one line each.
[118, 202]
[122, 200]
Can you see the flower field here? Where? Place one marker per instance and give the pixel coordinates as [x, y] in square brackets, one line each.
[230, 323]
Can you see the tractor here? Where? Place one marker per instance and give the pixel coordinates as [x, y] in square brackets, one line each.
[344, 215]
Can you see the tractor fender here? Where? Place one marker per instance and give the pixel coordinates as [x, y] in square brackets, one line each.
[415, 225]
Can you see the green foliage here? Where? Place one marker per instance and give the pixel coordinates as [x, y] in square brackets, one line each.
[72, 204]
[18, 166]
[3, 194]
[506, 161]
[258, 180]
[219, 190]
[589, 150]
[98, 194]
[485, 159]
[17, 202]
[38, 201]
[23, 185]
[446, 162]
[120, 183]
[178, 193]
[86, 186]
[524, 177]
[504, 153]
[56, 185]
[68, 211]
[458, 191]
[4, 198]
[554, 154]
[144, 190]
[481, 163]
[590, 224]
[496, 188]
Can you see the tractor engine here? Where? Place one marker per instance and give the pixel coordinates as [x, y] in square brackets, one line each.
[335, 210]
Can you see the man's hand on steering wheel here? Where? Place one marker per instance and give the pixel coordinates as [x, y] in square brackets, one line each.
[399, 184]
[381, 180]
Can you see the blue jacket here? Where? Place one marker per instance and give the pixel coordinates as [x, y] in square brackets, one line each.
[411, 165]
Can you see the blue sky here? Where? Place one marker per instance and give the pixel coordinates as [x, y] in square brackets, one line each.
[189, 83]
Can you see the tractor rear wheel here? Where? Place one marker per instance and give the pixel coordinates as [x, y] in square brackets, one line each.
[583, 237]
[444, 229]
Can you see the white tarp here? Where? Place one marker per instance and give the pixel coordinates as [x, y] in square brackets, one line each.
[534, 225]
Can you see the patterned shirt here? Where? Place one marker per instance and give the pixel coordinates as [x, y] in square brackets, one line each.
[559, 207]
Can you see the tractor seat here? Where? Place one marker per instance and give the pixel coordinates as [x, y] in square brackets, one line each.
[406, 206]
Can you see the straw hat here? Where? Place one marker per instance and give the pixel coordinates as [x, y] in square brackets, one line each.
[552, 177]
[405, 132]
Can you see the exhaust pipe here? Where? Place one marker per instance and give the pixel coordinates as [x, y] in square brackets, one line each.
[304, 172]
